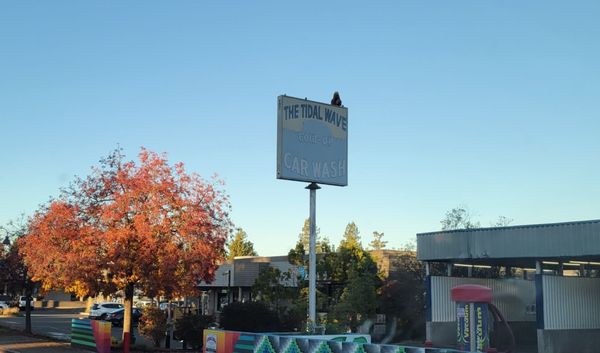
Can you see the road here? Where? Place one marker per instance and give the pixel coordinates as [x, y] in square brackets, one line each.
[56, 323]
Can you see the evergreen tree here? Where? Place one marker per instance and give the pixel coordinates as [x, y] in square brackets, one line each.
[240, 245]
[351, 238]
[304, 236]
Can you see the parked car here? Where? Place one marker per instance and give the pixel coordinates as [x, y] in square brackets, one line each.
[116, 317]
[23, 302]
[4, 305]
[174, 304]
[102, 310]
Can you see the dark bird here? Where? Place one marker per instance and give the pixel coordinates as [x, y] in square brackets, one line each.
[336, 100]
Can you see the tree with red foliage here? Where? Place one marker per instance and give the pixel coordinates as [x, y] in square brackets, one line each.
[148, 226]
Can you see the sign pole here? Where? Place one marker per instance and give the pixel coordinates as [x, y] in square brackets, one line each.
[312, 259]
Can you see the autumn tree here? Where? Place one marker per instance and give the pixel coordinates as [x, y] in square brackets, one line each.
[378, 243]
[240, 245]
[147, 225]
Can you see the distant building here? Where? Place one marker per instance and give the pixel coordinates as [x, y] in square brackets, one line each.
[388, 261]
[234, 279]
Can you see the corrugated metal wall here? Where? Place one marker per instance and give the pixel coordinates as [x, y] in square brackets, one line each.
[571, 303]
[512, 296]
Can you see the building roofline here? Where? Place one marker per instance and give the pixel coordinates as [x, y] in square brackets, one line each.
[524, 226]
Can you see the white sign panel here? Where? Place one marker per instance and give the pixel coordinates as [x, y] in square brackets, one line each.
[312, 141]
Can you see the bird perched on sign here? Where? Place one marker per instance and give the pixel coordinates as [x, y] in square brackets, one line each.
[336, 100]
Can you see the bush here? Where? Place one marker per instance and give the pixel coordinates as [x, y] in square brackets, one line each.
[292, 319]
[153, 324]
[250, 317]
[190, 327]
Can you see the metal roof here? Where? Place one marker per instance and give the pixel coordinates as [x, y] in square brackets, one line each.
[567, 240]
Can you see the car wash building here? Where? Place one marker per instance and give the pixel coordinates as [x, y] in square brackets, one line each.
[544, 281]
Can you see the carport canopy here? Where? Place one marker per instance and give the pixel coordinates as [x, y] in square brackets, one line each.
[554, 244]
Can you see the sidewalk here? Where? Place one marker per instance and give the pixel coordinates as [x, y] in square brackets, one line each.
[16, 342]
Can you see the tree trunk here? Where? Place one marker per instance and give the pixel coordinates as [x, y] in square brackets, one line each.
[127, 318]
[27, 308]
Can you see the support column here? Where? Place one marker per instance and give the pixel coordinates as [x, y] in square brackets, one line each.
[539, 307]
[561, 269]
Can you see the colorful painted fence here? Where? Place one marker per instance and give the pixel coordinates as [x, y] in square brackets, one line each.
[91, 334]
[219, 341]
[349, 337]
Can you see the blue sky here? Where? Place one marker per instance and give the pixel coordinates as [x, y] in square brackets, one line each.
[488, 104]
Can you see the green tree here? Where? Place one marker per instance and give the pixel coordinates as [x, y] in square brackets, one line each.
[322, 245]
[347, 275]
[297, 255]
[378, 243]
[358, 301]
[351, 237]
[240, 245]
[304, 237]
[402, 297]
[458, 218]
[269, 287]
[286, 301]
[343, 275]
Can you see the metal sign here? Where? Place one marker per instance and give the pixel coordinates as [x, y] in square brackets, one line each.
[312, 141]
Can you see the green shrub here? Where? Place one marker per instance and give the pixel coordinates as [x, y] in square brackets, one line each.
[190, 327]
[250, 317]
[153, 324]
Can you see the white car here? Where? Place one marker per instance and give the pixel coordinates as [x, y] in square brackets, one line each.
[3, 305]
[101, 310]
[23, 302]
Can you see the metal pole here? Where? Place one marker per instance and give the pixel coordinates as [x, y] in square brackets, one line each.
[228, 287]
[312, 259]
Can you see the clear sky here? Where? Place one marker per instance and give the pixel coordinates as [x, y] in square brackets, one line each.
[494, 105]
